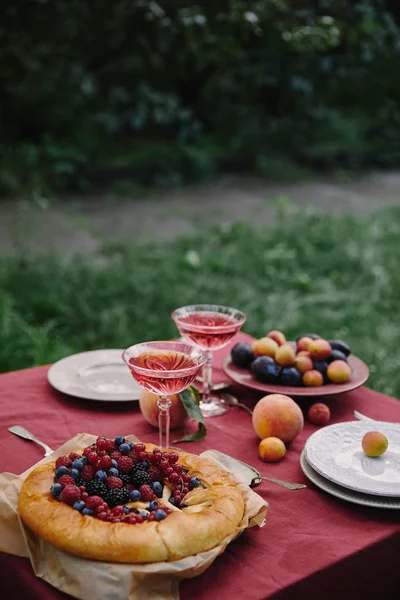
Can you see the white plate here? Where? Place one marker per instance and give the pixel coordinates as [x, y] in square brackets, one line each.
[335, 452]
[344, 493]
[97, 375]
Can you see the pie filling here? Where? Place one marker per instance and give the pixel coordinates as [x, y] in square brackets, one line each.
[118, 481]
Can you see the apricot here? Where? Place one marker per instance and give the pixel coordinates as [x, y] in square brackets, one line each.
[374, 443]
[319, 413]
[313, 378]
[272, 449]
[303, 363]
[285, 355]
[277, 336]
[320, 349]
[303, 343]
[264, 347]
[304, 353]
[150, 410]
[277, 415]
[339, 371]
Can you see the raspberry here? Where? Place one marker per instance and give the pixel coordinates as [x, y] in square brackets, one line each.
[70, 494]
[114, 483]
[88, 472]
[101, 443]
[93, 458]
[116, 454]
[117, 511]
[146, 493]
[73, 455]
[111, 447]
[155, 473]
[105, 462]
[66, 480]
[132, 519]
[102, 516]
[88, 450]
[125, 464]
[63, 461]
[94, 501]
[139, 448]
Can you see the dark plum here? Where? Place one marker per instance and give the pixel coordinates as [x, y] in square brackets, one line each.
[265, 369]
[337, 355]
[322, 367]
[313, 336]
[291, 377]
[242, 355]
[341, 346]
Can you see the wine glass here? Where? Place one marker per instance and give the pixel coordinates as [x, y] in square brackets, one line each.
[164, 368]
[209, 327]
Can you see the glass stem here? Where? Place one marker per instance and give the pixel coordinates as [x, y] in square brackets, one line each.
[163, 404]
[207, 378]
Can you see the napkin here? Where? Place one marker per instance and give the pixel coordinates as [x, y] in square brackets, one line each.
[87, 579]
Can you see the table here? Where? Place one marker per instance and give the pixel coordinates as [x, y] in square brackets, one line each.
[312, 545]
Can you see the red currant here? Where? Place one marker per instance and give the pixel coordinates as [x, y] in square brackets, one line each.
[102, 516]
[151, 517]
[172, 458]
[164, 464]
[157, 451]
[178, 469]
[185, 490]
[73, 455]
[82, 488]
[177, 498]
[158, 457]
[139, 519]
[84, 496]
[168, 471]
[186, 478]
[105, 462]
[132, 520]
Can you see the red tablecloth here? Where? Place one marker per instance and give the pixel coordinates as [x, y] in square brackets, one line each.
[312, 544]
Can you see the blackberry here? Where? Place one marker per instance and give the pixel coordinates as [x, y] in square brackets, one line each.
[140, 477]
[96, 488]
[126, 478]
[117, 496]
[80, 481]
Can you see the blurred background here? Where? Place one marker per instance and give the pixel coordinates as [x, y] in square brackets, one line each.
[154, 154]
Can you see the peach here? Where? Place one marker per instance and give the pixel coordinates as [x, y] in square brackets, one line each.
[285, 355]
[313, 378]
[374, 443]
[278, 416]
[303, 343]
[304, 353]
[277, 336]
[339, 371]
[149, 409]
[320, 349]
[319, 413]
[272, 449]
[303, 363]
[264, 347]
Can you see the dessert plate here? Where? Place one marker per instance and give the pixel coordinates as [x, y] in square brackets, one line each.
[359, 376]
[344, 493]
[96, 375]
[335, 452]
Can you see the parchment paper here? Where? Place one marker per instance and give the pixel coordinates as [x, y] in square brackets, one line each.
[87, 579]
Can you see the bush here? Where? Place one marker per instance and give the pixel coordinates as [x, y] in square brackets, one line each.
[86, 83]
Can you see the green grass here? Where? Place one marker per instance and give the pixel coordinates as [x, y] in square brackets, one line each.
[339, 277]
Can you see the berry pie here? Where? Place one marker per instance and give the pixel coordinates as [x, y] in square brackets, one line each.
[122, 502]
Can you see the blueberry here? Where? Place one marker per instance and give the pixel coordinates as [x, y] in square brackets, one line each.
[134, 495]
[56, 489]
[242, 355]
[131, 445]
[74, 473]
[88, 511]
[291, 377]
[124, 448]
[265, 369]
[113, 472]
[143, 464]
[102, 475]
[157, 488]
[61, 471]
[172, 501]
[83, 459]
[153, 505]
[126, 510]
[160, 515]
[114, 463]
[194, 482]
[77, 464]
[79, 505]
[119, 440]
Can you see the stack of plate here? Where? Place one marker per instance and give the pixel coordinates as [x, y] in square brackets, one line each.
[334, 461]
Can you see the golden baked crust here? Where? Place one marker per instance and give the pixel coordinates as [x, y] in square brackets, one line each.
[211, 514]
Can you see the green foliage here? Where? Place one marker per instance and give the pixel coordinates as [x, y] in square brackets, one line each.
[315, 82]
[337, 276]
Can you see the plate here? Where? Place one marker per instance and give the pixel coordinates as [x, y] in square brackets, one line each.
[359, 376]
[96, 375]
[335, 452]
[344, 493]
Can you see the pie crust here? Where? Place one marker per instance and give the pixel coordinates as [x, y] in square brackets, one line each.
[211, 513]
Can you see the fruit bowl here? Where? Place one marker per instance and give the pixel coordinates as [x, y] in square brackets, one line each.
[359, 375]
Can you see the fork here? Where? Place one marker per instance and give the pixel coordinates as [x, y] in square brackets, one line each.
[27, 435]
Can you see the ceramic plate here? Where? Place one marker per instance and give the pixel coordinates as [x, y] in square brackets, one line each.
[97, 375]
[359, 376]
[344, 493]
[335, 452]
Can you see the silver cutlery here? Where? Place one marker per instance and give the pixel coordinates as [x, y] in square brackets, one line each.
[362, 417]
[27, 435]
[233, 401]
[216, 387]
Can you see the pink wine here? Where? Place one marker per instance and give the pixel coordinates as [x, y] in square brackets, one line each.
[157, 371]
[208, 329]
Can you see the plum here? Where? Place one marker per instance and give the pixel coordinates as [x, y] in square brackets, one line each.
[291, 377]
[322, 367]
[341, 346]
[337, 355]
[242, 355]
[265, 369]
[313, 336]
